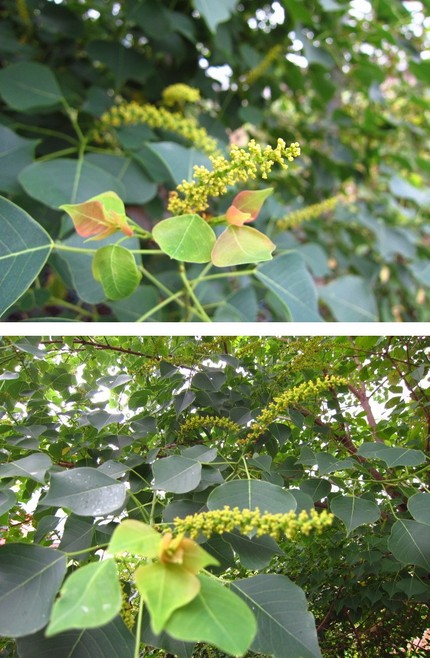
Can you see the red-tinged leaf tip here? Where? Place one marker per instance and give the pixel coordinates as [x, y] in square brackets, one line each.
[92, 219]
[246, 206]
[237, 217]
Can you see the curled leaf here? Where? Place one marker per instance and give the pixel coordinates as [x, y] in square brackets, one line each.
[99, 217]
[246, 206]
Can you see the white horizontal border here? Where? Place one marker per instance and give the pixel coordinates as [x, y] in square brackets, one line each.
[215, 329]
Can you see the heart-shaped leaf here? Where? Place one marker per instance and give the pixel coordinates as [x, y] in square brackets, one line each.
[246, 205]
[249, 494]
[115, 268]
[185, 237]
[29, 580]
[24, 249]
[285, 627]
[85, 491]
[99, 217]
[177, 474]
[238, 245]
[29, 85]
[354, 511]
[113, 640]
[90, 597]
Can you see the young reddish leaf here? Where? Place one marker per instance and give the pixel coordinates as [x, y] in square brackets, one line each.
[99, 217]
[246, 206]
[241, 244]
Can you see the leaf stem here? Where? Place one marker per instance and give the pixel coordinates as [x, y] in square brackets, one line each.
[190, 290]
[159, 306]
[138, 628]
[79, 250]
[222, 275]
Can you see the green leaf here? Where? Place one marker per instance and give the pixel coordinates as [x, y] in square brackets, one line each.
[254, 552]
[176, 474]
[90, 597]
[33, 467]
[77, 536]
[70, 181]
[164, 588]
[328, 463]
[185, 237]
[28, 86]
[289, 280]
[113, 640]
[76, 267]
[115, 267]
[316, 488]
[285, 627]
[354, 511]
[419, 507]
[215, 12]
[350, 299]
[401, 457]
[7, 500]
[30, 577]
[410, 543]
[15, 154]
[249, 494]
[238, 245]
[138, 188]
[178, 160]
[164, 641]
[85, 491]
[24, 250]
[392, 456]
[124, 63]
[135, 537]
[216, 616]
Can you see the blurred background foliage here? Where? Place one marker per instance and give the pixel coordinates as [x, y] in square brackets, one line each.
[347, 79]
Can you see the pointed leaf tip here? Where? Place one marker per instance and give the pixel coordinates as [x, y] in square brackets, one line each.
[246, 206]
[99, 217]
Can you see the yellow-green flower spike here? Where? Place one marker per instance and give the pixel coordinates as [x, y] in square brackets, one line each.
[244, 164]
[290, 524]
[195, 421]
[132, 113]
[287, 398]
[179, 94]
[297, 217]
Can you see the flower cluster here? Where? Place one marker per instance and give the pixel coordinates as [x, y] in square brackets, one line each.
[216, 522]
[128, 610]
[262, 67]
[179, 94]
[132, 113]
[244, 163]
[297, 217]
[195, 421]
[291, 396]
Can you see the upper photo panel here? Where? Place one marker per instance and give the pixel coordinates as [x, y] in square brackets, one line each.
[224, 161]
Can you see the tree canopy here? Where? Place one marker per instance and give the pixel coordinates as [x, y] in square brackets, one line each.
[224, 161]
[214, 496]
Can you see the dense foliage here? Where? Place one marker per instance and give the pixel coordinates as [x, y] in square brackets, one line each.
[111, 105]
[260, 496]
